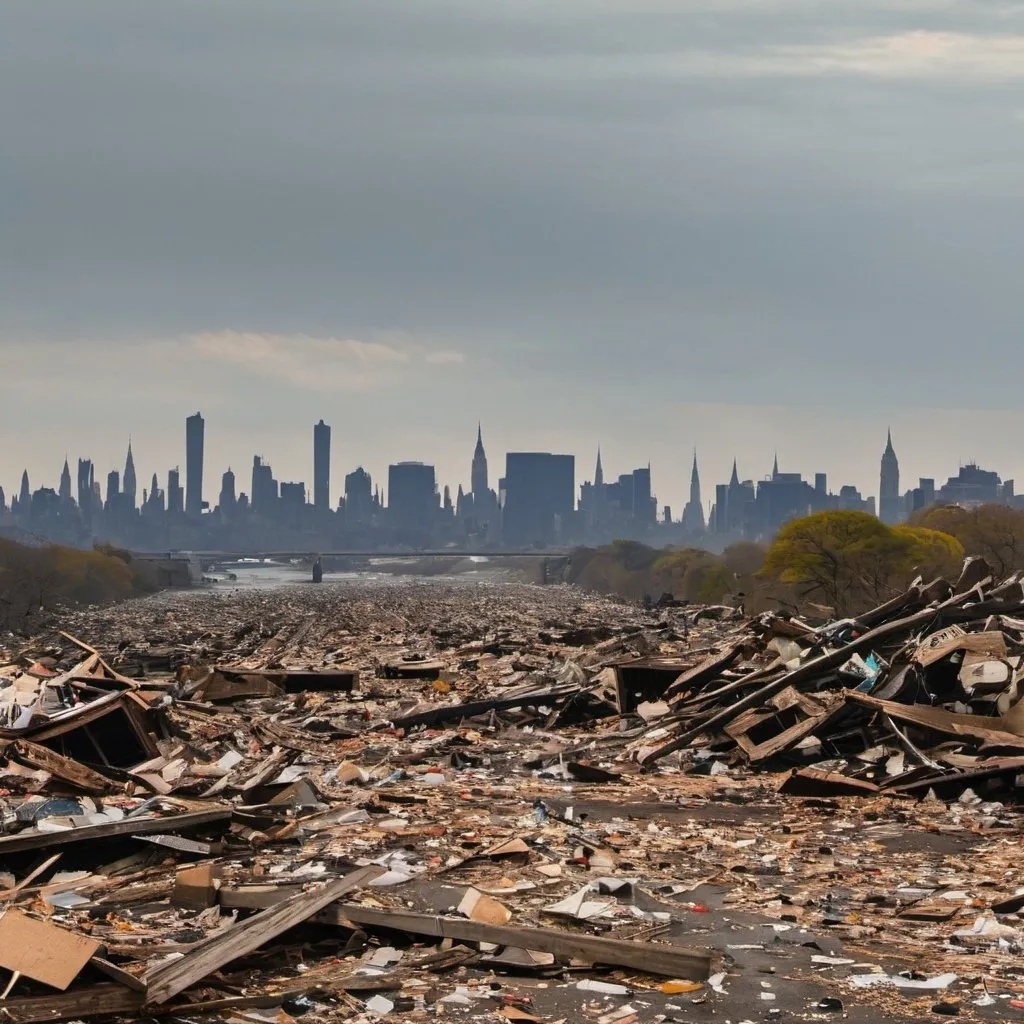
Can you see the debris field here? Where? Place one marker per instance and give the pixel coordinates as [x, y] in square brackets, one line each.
[451, 800]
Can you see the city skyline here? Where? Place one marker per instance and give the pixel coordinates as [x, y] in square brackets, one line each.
[672, 484]
[540, 499]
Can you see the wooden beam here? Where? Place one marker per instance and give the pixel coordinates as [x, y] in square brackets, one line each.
[710, 668]
[101, 1000]
[976, 727]
[209, 955]
[74, 774]
[649, 957]
[456, 712]
[129, 826]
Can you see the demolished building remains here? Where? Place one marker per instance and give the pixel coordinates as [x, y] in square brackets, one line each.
[493, 802]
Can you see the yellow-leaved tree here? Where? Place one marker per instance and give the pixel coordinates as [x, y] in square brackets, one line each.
[850, 560]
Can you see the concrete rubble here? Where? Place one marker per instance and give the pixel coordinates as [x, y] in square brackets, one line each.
[493, 802]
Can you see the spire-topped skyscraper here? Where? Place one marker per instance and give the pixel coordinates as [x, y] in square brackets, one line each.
[478, 475]
[64, 491]
[889, 485]
[693, 514]
[128, 484]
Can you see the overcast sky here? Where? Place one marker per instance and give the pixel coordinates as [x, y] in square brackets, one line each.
[739, 225]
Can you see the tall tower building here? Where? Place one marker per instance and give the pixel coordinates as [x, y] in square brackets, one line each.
[478, 475]
[85, 489]
[128, 485]
[693, 514]
[195, 434]
[889, 485]
[64, 493]
[175, 501]
[228, 497]
[322, 466]
[113, 490]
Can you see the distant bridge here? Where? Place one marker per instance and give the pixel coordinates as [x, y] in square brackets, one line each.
[234, 556]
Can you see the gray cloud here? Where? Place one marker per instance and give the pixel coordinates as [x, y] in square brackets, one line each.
[610, 210]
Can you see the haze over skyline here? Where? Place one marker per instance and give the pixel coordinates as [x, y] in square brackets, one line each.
[649, 224]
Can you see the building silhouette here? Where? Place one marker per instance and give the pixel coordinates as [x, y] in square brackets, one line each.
[85, 489]
[322, 466]
[539, 497]
[359, 499]
[113, 492]
[478, 473]
[412, 497]
[228, 495]
[693, 513]
[890, 504]
[175, 493]
[64, 491]
[263, 492]
[195, 430]
[129, 485]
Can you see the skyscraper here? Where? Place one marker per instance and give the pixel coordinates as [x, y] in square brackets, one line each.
[175, 500]
[64, 493]
[25, 495]
[228, 498]
[412, 496]
[889, 485]
[263, 492]
[113, 490]
[194, 441]
[645, 508]
[540, 490]
[128, 485]
[322, 466]
[85, 491]
[358, 497]
[693, 514]
[478, 475]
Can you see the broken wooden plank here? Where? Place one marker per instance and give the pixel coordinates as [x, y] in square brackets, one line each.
[649, 957]
[942, 644]
[939, 720]
[814, 782]
[103, 1000]
[64, 768]
[122, 977]
[456, 712]
[710, 668]
[31, 877]
[205, 957]
[806, 713]
[33, 840]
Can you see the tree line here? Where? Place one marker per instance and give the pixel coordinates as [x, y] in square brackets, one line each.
[38, 579]
[828, 563]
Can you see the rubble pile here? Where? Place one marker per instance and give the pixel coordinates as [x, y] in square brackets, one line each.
[496, 802]
[919, 696]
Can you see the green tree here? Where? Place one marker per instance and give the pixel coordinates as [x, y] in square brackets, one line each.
[843, 559]
[931, 553]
